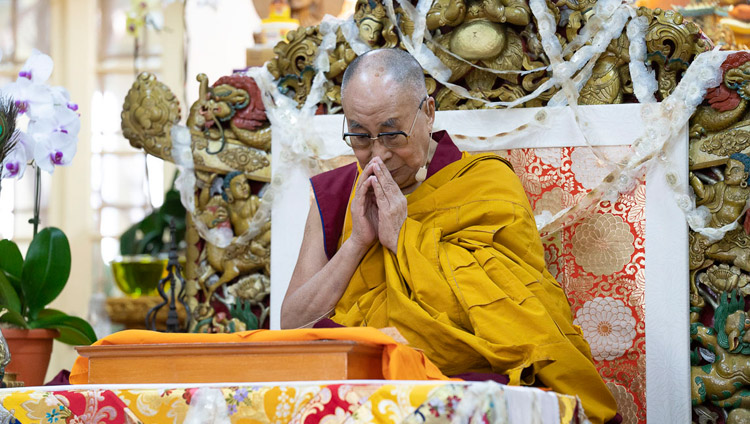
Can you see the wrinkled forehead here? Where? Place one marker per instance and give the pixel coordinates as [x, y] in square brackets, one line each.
[363, 102]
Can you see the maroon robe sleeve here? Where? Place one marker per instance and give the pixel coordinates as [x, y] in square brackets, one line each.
[332, 190]
[445, 154]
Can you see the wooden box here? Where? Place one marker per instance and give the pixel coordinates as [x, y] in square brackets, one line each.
[233, 362]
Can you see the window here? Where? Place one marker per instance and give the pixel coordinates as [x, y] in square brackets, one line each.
[21, 23]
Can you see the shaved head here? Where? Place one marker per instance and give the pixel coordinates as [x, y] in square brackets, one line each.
[396, 65]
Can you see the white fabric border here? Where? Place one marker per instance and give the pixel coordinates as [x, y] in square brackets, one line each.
[535, 127]
[667, 296]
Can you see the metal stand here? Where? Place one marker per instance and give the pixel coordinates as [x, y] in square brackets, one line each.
[174, 278]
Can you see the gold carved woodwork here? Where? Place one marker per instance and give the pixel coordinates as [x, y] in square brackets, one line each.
[485, 43]
[149, 111]
[293, 64]
[672, 43]
[238, 271]
[218, 144]
[230, 142]
[720, 269]
[722, 126]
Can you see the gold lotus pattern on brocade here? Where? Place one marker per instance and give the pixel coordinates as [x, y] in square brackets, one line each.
[555, 200]
[603, 244]
[400, 402]
[608, 325]
[621, 347]
[626, 406]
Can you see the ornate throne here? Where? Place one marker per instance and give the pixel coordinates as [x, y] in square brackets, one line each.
[489, 55]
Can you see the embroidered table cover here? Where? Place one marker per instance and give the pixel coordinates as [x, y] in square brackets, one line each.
[301, 402]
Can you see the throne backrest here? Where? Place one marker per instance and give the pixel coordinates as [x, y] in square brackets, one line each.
[634, 316]
[599, 260]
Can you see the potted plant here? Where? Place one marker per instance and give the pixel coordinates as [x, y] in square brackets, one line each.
[27, 286]
[48, 139]
[144, 247]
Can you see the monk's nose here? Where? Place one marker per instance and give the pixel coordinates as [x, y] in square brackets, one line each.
[380, 151]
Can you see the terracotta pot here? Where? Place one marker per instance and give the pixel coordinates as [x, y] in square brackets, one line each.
[30, 351]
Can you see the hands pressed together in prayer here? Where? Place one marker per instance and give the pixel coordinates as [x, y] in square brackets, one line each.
[378, 208]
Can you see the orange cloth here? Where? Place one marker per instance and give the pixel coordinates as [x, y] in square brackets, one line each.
[400, 362]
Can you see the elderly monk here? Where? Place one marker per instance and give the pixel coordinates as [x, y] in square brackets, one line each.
[437, 243]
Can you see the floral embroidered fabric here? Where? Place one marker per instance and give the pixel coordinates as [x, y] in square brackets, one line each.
[376, 401]
[600, 260]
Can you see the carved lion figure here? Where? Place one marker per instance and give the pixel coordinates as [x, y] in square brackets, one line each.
[727, 102]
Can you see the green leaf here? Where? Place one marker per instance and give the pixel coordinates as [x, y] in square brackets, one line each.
[172, 206]
[14, 318]
[128, 242]
[11, 264]
[11, 260]
[150, 229]
[150, 244]
[8, 296]
[151, 223]
[46, 269]
[73, 330]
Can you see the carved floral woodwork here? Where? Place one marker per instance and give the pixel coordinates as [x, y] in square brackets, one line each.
[720, 269]
[228, 125]
[486, 44]
[230, 144]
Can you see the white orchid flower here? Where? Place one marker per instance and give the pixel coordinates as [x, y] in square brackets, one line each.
[32, 96]
[55, 149]
[14, 165]
[61, 96]
[34, 100]
[53, 122]
[62, 119]
[38, 68]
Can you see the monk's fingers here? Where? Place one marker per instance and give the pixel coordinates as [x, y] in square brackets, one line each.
[380, 196]
[360, 196]
[386, 179]
[377, 174]
[372, 185]
[366, 173]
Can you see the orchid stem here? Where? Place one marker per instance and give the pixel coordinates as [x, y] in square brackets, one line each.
[37, 198]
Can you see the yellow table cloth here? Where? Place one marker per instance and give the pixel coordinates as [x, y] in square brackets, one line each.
[302, 402]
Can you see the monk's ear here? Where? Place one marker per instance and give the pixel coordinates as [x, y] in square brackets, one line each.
[429, 109]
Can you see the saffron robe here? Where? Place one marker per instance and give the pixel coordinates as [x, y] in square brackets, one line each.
[468, 284]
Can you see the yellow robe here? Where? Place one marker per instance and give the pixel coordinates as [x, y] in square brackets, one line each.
[469, 286]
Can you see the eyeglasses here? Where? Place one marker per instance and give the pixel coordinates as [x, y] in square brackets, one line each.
[390, 139]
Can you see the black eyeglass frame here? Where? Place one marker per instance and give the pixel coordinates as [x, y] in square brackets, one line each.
[382, 134]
